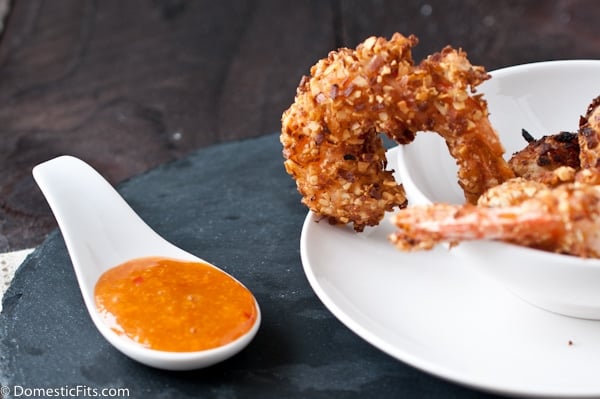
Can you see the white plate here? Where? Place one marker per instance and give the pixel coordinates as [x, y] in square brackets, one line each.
[444, 317]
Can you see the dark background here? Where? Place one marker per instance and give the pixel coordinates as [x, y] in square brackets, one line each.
[129, 85]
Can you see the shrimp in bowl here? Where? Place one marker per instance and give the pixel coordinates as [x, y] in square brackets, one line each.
[538, 234]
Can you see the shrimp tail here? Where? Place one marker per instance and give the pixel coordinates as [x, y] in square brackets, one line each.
[422, 227]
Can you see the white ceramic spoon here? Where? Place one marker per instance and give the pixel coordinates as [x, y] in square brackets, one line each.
[101, 231]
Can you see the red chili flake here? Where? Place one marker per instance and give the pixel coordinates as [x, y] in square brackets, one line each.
[138, 280]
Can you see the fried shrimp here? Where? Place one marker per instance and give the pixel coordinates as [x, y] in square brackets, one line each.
[330, 134]
[564, 219]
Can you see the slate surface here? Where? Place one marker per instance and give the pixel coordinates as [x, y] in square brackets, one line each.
[233, 205]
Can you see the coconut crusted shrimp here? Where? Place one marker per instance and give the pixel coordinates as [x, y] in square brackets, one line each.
[564, 219]
[330, 135]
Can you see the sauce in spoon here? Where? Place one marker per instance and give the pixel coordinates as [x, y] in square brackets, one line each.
[171, 305]
[162, 320]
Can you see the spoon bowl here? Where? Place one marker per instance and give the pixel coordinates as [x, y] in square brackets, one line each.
[101, 231]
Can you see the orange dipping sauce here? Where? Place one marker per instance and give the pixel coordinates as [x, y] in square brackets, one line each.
[174, 305]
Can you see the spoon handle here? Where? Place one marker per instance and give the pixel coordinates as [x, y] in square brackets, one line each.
[99, 228]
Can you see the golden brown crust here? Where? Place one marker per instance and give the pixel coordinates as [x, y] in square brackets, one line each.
[329, 134]
[460, 116]
[511, 193]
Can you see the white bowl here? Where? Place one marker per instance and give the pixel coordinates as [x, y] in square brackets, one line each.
[542, 98]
